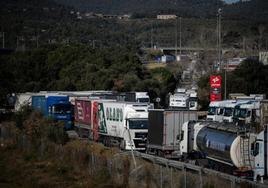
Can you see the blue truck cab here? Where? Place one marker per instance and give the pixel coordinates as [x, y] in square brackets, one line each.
[56, 107]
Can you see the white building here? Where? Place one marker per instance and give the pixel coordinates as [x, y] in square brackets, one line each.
[166, 17]
[263, 57]
[233, 63]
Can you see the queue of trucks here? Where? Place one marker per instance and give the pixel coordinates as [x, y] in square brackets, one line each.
[223, 141]
[241, 111]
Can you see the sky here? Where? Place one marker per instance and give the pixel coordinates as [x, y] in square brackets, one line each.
[230, 1]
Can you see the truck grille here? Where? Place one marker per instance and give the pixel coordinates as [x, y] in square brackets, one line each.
[141, 135]
[140, 143]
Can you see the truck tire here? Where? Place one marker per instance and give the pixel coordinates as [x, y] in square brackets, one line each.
[122, 145]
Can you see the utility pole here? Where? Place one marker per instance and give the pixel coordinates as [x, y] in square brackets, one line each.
[176, 38]
[17, 42]
[152, 36]
[220, 54]
[219, 38]
[37, 42]
[3, 40]
[180, 35]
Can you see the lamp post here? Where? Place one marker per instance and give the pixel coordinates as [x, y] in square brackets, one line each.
[219, 38]
[3, 40]
[180, 35]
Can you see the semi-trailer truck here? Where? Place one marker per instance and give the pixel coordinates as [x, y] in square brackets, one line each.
[184, 99]
[247, 113]
[141, 97]
[122, 124]
[227, 148]
[165, 129]
[229, 108]
[56, 107]
[215, 110]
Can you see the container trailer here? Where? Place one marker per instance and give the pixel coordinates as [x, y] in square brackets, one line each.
[56, 107]
[165, 129]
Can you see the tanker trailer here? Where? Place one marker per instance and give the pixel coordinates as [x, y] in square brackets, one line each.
[227, 148]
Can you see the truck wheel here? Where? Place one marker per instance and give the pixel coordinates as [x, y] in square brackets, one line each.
[160, 153]
[122, 145]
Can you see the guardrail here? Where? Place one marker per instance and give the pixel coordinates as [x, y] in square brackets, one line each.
[202, 171]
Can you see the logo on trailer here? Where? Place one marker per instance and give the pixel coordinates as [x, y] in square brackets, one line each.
[102, 122]
[114, 114]
[80, 113]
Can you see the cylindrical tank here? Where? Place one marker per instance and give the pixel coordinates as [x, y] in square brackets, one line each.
[220, 145]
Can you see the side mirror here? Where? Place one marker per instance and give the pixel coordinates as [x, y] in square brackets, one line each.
[255, 148]
[180, 136]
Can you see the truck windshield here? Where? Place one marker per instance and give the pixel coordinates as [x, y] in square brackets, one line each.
[243, 113]
[228, 112]
[145, 100]
[240, 113]
[211, 110]
[61, 109]
[138, 124]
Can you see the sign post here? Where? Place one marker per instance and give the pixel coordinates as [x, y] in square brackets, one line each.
[215, 88]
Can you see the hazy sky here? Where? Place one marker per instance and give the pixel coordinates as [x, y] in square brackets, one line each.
[231, 1]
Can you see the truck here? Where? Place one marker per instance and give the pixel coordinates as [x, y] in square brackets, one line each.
[247, 113]
[165, 129]
[226, 148]
[228, 110]
[142, 97]
[23, 99]
[184, 99]
[54, 106]
[97, 94]
[114, 123]
[179, 100]
[215, 110]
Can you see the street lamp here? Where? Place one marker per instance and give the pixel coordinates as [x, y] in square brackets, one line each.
[219, 38]
[220, 66]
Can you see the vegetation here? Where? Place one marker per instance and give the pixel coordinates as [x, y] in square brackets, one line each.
[79, 67]
[30, 157]
[58, 50]
[29, 25]
[37, 154]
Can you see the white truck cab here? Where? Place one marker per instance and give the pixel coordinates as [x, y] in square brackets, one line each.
[178, 100]
[228, 111]
[216, 110]
[247, 112]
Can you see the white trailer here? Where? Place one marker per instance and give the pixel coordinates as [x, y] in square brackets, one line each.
[123, 123]
[23, 99]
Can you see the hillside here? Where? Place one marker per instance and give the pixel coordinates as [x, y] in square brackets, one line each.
[191, 8]
[256, 10]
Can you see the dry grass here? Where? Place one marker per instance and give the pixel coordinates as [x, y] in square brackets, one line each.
[83, 164]
[155, 65]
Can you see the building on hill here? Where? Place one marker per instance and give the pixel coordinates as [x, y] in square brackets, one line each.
[166, 17]
[233, 63]
[263, 57]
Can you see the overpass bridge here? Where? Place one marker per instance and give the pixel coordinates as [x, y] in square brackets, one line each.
[193, 49]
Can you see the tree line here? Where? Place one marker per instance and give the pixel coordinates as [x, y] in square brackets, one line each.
[79, 67]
